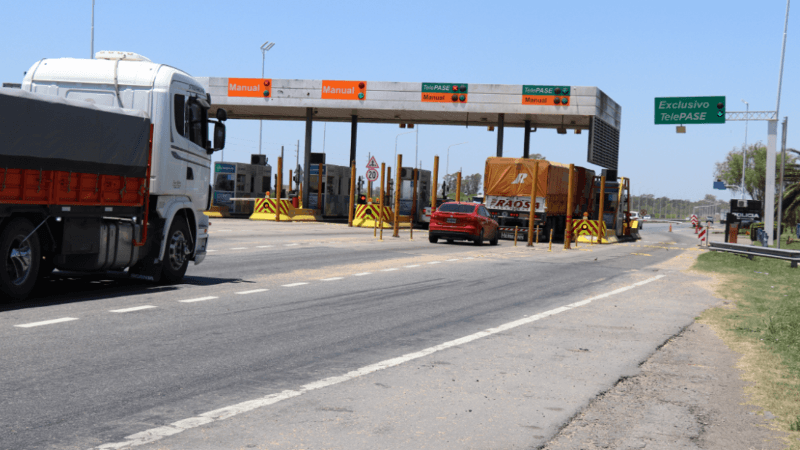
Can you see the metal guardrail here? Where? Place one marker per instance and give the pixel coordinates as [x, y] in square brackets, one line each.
[741, 249]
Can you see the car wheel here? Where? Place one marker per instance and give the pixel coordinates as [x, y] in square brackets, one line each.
[433, 239]
[479, 241]
[19, 259]
[493, 241]
[179, 249]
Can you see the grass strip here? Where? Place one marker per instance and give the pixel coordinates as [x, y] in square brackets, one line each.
[762, 323]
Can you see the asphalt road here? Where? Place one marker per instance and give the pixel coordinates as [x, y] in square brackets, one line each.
[275, 306]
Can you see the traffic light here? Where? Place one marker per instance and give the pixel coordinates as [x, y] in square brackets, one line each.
[721, 109]
[362, 199]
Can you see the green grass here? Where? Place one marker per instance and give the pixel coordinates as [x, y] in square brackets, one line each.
[765, 322]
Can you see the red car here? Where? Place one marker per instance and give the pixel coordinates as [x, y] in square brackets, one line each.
[464, 221]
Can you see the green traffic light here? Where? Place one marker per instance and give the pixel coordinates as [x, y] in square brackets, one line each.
[360, 95]
[266, 93]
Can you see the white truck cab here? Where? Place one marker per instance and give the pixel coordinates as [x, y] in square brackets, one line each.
[181, 157]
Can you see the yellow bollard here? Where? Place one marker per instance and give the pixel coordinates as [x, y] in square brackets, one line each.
[380, 207]
[532, 212]
[458, 187]
[278, 190]
[413, 207]
[516, 230]
[570, 207]
[397, 183]
[550, 248]
[352, 194]
[670, 228]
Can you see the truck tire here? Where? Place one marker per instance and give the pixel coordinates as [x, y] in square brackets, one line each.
[179, 249]
[19, 260]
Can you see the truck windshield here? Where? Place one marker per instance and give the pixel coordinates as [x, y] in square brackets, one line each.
[456, 208]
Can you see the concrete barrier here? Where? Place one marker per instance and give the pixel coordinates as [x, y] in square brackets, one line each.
[266, 208]
[218, 212]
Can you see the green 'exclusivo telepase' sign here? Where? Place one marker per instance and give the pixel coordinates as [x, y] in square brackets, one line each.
[689, 110]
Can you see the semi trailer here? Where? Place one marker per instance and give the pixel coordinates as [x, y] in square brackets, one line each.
[104, 165]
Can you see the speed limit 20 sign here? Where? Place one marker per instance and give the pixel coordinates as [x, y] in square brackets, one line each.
[372, 175]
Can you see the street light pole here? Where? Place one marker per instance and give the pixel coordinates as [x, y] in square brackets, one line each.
[91, 50]
[264, 49]
[744, 151]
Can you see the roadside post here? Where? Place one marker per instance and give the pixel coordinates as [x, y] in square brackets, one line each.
[397, 181]
[278, 190]
[380, 207]
[516, 230]
[600, 215]
[458, 186]
[532, 216]
[550, 247]
[413, 206]
[352, 193]
[570, 207]
[290, 180]
[435, 184]
[319, 189]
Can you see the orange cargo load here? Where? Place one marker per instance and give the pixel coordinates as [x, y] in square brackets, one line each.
[53, 187]
[513, 177]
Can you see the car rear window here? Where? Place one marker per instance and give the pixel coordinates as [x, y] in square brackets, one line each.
[456, 208]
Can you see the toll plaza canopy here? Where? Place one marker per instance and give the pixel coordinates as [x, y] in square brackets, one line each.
[529, 106]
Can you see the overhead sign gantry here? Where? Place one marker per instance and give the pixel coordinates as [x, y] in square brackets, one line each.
[435, 103]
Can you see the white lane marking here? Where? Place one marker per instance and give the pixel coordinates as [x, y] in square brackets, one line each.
[333, 279]
[413, 265]
[291, 245]
[252, 292]
[362, 274]
[154, 434]
[454, 259]
[469, 257]
[239, 248]
[46, 322]
[264, 246]
[294, 284]
[135, 308]
[209, 251]
[388, 270]
[435, 262]
[191, 300]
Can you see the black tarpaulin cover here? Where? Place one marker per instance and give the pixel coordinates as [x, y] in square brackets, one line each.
[45, 132]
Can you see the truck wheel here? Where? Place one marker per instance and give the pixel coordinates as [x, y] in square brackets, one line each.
[479, 241]
[179, 249]
[433, 239]
[19, 265]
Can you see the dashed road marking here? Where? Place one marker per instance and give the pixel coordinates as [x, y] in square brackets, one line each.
[209, 251]
[135, 308]
[413, 265]
[201, 299]
[389, 270]
[362, 274]
[291, 245]
[239, 248]
[435, 262]
[155, 434]
[454, 259]
[333, 279]
[264, 246]
[46, 322]
[252, 292]
[294, 284]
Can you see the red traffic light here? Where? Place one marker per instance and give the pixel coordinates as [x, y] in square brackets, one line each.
[361, 85]
[455, 88]
[266, 82]
[557, 100]
[454, 97]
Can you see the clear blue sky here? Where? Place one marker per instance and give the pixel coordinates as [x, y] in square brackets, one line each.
[633, 51]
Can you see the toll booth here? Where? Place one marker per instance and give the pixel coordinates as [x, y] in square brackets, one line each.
[233, 181]
[335, 190]
[407, 192]
[614, 204]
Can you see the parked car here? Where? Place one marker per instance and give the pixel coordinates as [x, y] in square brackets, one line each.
[646, 218]
[463, 221]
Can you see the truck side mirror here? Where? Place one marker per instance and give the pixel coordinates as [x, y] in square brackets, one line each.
[219, 136]
[222, 115]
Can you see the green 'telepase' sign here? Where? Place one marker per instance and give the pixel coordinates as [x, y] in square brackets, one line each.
[689, 110]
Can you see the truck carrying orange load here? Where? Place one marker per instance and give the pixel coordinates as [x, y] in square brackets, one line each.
[508, 186]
